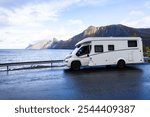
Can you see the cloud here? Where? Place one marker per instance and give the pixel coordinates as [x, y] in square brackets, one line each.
[139, 23]
[92, 2]
[75, 26]
[4, 17]
[75, 22]
[136, 13]
[12, 3]
[32, 13]
[29, 12]
[35, 12]
[147, 4]
[137, 19]
[29, 21]
[25, 21]
[68, 29]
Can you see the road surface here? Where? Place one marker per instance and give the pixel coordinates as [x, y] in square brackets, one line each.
[131, 83]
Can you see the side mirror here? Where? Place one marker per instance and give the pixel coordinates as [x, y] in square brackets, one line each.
[87, 55]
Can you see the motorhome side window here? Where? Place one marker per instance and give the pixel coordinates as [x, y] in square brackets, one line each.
[132, 43]
[84, 50]
[98, 48]
[111, 47]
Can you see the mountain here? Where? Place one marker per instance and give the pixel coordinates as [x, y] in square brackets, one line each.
[43, 44]
[104, 31]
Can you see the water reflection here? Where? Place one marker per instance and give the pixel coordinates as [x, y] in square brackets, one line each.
[106, 83]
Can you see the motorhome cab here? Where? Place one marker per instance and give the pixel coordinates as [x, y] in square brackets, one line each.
[95, 51]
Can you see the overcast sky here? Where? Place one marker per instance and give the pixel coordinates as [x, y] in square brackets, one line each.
[23, 22]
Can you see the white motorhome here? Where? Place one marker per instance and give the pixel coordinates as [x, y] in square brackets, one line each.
[95, 51]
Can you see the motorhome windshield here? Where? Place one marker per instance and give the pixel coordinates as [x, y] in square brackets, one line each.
[84, 50]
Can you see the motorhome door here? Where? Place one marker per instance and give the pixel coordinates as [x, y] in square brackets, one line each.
[83, 54]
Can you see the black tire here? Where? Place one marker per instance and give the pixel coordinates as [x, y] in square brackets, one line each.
[75, 65]
[121, 64]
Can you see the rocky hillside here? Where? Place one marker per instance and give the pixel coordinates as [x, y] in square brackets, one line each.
[40, 45]
[104, 31]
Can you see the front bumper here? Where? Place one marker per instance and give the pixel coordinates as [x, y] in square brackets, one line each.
[67, 63]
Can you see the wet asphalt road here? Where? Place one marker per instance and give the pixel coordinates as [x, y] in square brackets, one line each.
[131, 83]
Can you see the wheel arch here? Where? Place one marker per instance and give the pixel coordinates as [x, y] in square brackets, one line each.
[120, 59]
[76, 61]
[75, 65]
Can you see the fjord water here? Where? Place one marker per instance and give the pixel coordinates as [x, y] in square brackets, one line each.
[24, 55]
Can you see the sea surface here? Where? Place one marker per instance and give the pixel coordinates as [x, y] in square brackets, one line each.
[25, 55]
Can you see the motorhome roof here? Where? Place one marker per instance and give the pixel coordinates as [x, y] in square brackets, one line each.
[89, 39]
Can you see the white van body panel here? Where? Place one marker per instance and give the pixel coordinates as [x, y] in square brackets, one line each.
[121, 51]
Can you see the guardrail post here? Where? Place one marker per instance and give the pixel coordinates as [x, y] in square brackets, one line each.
[7, 68]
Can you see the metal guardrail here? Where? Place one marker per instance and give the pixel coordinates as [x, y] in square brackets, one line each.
[30, 63]
[146, 59]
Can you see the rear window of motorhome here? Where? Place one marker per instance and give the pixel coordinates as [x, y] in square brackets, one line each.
[132, 43]
[98, 48]
[111, 47]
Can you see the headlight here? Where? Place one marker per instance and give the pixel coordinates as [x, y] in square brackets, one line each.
[68, 57]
